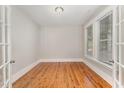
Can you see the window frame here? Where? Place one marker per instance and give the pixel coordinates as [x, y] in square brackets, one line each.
[94, 22]
[98, 35]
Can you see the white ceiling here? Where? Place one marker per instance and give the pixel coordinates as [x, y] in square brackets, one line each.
[45, 15]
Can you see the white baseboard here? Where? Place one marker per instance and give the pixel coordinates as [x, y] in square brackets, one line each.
[62, 60]
[100, 72]
[23, 71]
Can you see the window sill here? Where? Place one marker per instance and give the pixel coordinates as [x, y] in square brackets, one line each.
[99, 62]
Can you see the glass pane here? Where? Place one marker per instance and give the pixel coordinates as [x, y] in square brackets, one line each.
[106, 28]
[90, 41]
[122, 12]
[122, 76]
[117, 33]
[6, 15]
[105, 54]
[7, 72]
[117, 15]
[6, 34]
[105, 42]
[122, 54]
[1, 55]
[117, 53]
[0, 33]
[6, 53]
[117, 72]
[1, 78]
[0, 13]
[122, 32]
[6, 26]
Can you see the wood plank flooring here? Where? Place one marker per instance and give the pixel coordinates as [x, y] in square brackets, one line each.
[61, 75]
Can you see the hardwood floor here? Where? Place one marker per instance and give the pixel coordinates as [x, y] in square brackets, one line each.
[61, 75]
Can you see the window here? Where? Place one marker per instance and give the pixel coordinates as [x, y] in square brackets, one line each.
[105, 40]
[99, 36]
[90, 40]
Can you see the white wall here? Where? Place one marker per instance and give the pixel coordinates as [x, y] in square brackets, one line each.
[25, 40]
[61, 42]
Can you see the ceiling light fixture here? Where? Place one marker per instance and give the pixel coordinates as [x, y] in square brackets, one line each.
[59, 10]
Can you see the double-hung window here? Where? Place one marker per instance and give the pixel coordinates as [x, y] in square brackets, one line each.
[105, 39]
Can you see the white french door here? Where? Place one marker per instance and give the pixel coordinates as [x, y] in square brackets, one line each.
[119, 48]
[5, 46]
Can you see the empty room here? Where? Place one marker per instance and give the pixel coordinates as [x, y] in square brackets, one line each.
[61, 46]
